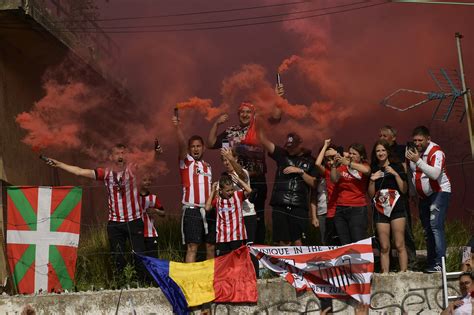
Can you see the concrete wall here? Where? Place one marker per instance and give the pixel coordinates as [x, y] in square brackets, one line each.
[391, 294]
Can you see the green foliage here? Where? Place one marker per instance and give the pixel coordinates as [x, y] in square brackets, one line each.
[95, 267]
[170, 245]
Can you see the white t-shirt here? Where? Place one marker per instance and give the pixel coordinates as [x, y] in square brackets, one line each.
[466, 308]
[247, 207]
[322, 197]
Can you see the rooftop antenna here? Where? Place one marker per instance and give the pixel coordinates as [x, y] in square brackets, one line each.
[452, 86]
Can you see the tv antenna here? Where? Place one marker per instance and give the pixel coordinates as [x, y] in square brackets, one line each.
[452, 86]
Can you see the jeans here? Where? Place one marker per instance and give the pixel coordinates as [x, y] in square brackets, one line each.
[351, 223]
[432, 215]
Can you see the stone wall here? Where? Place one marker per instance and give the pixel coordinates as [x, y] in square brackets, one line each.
[410, 292]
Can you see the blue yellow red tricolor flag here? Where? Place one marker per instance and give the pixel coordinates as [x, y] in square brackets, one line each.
[229, 278]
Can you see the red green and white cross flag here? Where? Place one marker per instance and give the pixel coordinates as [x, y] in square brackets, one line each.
[43, 225]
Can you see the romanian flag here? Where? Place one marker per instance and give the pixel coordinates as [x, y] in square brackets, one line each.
[229, 278]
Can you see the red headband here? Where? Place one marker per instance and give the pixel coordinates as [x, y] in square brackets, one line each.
[249, 105]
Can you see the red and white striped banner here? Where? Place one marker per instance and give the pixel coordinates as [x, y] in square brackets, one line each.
[329, 271]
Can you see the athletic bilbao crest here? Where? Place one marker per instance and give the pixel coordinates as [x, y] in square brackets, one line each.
[43, 226]
[385, 200]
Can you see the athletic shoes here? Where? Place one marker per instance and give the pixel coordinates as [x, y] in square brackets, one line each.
[434, 269]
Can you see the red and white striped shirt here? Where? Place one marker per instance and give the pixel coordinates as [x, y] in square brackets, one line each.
[230, 221]
[434, 157]
[122, 194]
[196, 177]
[149, 201]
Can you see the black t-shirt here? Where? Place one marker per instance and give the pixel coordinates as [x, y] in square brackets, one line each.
[388, 181]
[291, 189]
[283, 159]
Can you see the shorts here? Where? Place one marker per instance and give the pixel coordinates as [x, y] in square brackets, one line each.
[210, 237]
[227, 247]
[289, 224]
[194, 226]
[397, 213]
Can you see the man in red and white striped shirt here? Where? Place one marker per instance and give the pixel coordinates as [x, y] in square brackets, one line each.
[230, 227]
[152, 208]
[428, 169]
[125, 212]
[196, 178]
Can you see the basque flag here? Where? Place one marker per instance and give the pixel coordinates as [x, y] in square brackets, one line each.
[43, 225]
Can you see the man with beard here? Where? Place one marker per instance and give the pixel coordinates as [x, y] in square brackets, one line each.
[431, 183]
[196, 178]
[123, 199]
[250, 154]
[295, 177]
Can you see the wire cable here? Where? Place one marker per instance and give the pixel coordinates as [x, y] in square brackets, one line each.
[212, 27]
[221, 21]
[191, 13]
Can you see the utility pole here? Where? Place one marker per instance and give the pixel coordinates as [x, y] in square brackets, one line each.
[434, 2]
[467, 94]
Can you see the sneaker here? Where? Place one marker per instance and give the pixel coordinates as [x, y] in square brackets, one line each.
[434, 269]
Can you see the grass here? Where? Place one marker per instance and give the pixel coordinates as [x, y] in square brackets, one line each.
[95, 268]
[457, 236]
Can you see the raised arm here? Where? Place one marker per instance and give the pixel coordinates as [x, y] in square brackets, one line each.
[335, 175]
[76, 170]
[246, 188]
[182, 145]
[275, 118]
[319, 160]
[267, 144]
[227, 153]
[433, 172]
[212, 137]
[361, 167]
[212, 195]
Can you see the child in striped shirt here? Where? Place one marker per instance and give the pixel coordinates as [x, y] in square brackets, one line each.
[227, 201]
[152, 209]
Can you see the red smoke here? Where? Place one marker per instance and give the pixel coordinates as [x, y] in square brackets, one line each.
[250, 84]
[53, 121]
[204, 106]
[285, 65]
[337, 69]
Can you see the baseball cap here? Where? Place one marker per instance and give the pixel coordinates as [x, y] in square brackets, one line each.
[292, 140]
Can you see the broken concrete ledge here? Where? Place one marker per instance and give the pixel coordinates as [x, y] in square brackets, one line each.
[393, 293]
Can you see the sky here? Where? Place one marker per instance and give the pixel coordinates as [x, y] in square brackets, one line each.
[336, 68]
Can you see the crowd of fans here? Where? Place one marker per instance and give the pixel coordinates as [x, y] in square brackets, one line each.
[336, 191]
